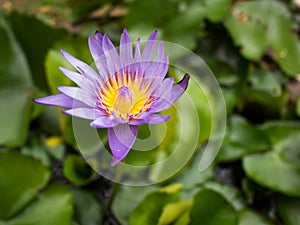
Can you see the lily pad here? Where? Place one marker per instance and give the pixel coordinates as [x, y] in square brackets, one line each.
[259, 25]
[277, 131]
[54, 206]
[150, 209]
[216, 10]
[88, 210]
[242, 138]
[16, 89]
[20, 181]
[173, 212]
[230, 193]
[249, 217]
[35, 46]
[288, 209]
[271, 171]
[210, 208]
[126, 194]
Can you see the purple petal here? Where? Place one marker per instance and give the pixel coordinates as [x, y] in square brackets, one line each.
[56, 100]
[164, 101]
[160, 51]
[95, 48]
[99, 37]
[156, 69]
[98, 55]
[121, 139]
[112, 57]
[179, 88]
[91, 86]
[78, 63]
[150, 118]
[163, 90]
[75, 77]
[78, 94]
[136, 67]
[126, 56]
[137, 53]
[156, 119]
[85, 113]
[105, 122]
[161, 61]
[150, 46]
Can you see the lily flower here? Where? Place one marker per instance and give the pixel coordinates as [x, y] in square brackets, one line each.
[126, 89]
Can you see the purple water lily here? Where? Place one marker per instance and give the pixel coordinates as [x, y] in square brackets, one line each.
[128, 90]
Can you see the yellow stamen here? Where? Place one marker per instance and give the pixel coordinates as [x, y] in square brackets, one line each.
[125, 97]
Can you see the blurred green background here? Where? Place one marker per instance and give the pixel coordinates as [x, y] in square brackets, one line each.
[253, 49]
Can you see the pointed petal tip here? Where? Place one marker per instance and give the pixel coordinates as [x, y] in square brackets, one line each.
[187, 75]
[114, 162]
[63, 51]
[90, 39]
[98, 36]
[65, 112]
[36, 100]
[125, 38]
[153, 35]
[55, 100]
[41, 101]
[184, 81]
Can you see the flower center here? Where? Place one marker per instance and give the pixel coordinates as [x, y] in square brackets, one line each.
[125, 96]
[123, 101]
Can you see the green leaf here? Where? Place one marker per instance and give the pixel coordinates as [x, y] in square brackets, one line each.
[258, 25]
[16, 89]
[277, 131]
[266, 81]
[230, 193]
[191, 176]
[216, 10]
[35, 46]
[271, 171]
[186, 26]
[77, 170]
[266, 105]
[88, 211]
[126, 194]
[288, 149]
[53, 206]
[210, 208]
[173, 211]
[20, 181]
[150, 209]
[241, 139]
[288, 209]
[247, 35]
[184, 219]
[138, 9]
[249, 217]
[37, 150]
[231, 99]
